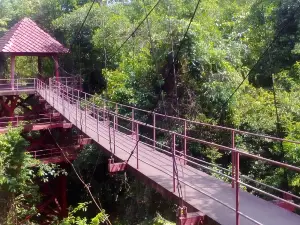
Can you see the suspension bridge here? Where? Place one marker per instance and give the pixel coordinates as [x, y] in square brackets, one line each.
[168, 169]
[134, 145]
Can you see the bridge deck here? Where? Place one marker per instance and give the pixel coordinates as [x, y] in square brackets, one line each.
[158, 167]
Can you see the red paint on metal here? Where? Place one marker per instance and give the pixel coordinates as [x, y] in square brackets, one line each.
[56, 67]
[114, 133]
[232, 158]
[154, 131]
[185, 144]
[83, 140]
[54, 200]
[286, 205]
[117, 116]
[173, 158]
[35, 127]
[185, 218]
[237, 187]
[80, 84]
[137, 145]
[236, 153]
[132, 123]
[12, 70]
[63, 195]
[116, 167]
[39, 65]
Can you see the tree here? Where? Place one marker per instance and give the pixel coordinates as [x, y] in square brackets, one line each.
[100, 218]
[18, 175]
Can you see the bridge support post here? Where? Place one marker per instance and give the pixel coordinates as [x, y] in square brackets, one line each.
[76, 113]
[116, 167]
[12, 70]
[232, 158]
[117, 116]
[137, 145]
[85, 109]
[114, 134]
[97, 111]
[103, 115]
[185, 218]
[184, 144]
[154, 131]
[173, 157]
[56, 67]
[132, 123]
[237, 186]
[63, 195]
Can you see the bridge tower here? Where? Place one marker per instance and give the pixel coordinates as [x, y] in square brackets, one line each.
[19, 103]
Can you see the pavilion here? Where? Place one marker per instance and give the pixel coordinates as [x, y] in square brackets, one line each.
[26, 38]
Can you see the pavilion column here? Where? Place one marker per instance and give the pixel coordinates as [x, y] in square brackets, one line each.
[40, 65]
[12, 70]
[63, 195]
[56, 67]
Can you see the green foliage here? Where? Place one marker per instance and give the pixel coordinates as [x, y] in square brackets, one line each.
[100, 218]
[18, 173]
[223, 44]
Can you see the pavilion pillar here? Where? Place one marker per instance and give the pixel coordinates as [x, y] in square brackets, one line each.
[12, 70]
[56, 67]
[40, 65]
[63, 195]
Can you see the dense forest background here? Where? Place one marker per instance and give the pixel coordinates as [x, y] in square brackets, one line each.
[238, 65]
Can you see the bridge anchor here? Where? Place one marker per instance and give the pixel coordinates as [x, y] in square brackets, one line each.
[185, 218]
[116, 167]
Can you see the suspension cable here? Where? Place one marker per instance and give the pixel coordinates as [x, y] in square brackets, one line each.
[176, 56]
[279, 131]
[135, 30]
[150, 39]
[78, 34]
[266, 51]
[187, 30]
[86, 186]
[174, 60]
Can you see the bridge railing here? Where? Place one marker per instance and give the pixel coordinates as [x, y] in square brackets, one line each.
[50, 153]
[72, 81]
[23, 120]
[17, 84]
[103, 112]
[30, 83]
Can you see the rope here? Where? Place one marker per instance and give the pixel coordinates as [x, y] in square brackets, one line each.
[86, 186]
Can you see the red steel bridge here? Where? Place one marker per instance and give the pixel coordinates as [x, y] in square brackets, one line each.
[168, 167]
[206, 193]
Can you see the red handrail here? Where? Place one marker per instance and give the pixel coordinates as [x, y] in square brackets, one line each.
[85, 104]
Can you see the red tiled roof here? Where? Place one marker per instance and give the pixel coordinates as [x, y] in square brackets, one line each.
[27, 37]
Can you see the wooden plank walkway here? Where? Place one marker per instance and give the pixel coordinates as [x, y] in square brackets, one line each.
[158, 167]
